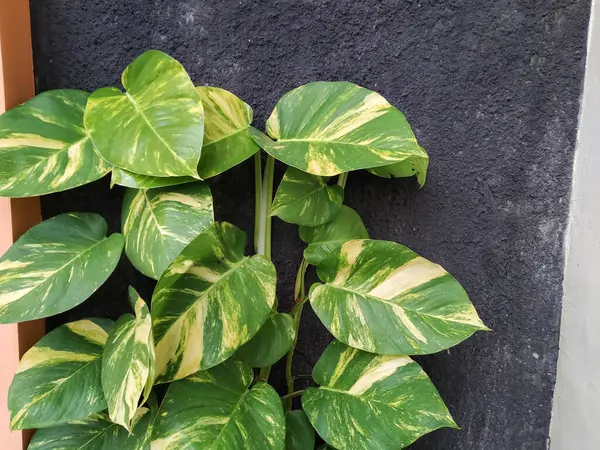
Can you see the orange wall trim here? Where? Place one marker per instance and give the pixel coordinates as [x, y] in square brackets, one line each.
[16, 215]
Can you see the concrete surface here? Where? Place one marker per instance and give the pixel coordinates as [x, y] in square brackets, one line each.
[492, 90]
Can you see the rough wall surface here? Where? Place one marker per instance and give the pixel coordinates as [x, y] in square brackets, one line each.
[492, 91]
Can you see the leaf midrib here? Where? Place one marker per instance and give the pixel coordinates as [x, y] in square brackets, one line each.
[283, 206]
[237, 405]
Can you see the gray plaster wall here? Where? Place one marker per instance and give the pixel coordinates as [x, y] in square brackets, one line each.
[492, 91]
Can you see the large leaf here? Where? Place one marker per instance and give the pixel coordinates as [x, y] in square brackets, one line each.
[126, 178]
[55, 266]
[384, 298]
[271, 343]
[328, 238]
[156, 126]
[227, 138]
[306, 199]
[44, 148]
[327, 128]
[299, 433]
[96, 432]
[159, 223]
[58, 379]
[215, 409]
[128, 362]
[372, 402]
[411, 166]
[209, 302]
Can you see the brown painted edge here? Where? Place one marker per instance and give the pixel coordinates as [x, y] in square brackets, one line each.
[16, 215]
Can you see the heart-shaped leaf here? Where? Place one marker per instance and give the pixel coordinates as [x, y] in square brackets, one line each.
[329, 237]
[271, 343]
[327, 128]
[58, 379]
[55, 266]
[372, 402]
[209, 302]
[227, 138]
[156, 126]
[384, 298]
[305, 199]
[159, 223]
[411, 166]
[215, 409]
[96, 432]
[126, 178]
[44, 148]
[128, 362]
[299, 433]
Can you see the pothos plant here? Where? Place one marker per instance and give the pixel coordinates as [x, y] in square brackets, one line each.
[213, 328]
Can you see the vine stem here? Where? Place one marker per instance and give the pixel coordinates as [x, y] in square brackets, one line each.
[342, 178]
[291, 395]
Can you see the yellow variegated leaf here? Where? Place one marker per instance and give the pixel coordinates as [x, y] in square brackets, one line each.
[126, 178]
[128, 363]
[411, 166]
[384, 298]
[58, 379]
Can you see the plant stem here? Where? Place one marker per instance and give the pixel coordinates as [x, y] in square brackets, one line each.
[290, 396]
[257, 198]
[342, 178]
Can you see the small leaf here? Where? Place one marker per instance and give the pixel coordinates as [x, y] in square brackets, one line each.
[271, 343]
[126, 178]
[327, 128]
[305, 199]
[156, 126]
[58, 379]
[411, 166]
[383, 298]
[372, 402]
[44, 148]
[209, 302]
[128, 362]
[299, 434]
[55, 266]
[159, 223]
[227, 138]
[215, 409]
[96, 432]
[328, 238]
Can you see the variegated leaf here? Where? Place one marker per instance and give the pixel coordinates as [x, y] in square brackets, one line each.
[58, 379]
[214, 409]
[327, 128]
[299, 433]
[227, 138]
[126, 178]
[371, 402]
[306, 199]
[328, 238]
[44, 147]
[384, 298]
[209, 302]
[156, 126]
[411, 166]
[96, 432]
[159, 223]
[128, 362]
[271, 343]
[55, 266]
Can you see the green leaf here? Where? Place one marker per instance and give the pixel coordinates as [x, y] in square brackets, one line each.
[372, 402]
[126, 178]
[58, 379]
[384, 298]
[209, 302]
[215, 409]
[227, 138]
[328, 238]
[327, 128]
[271, 343]
[411, 166]
[55, 266]
[156, 126]
[305, 199]
[299, 434]
[128, 362]
[96, 432]
[44, 148]
[159, 223]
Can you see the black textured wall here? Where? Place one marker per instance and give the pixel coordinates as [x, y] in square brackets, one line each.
[492, 90]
